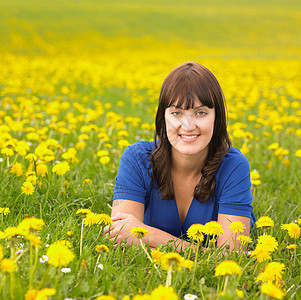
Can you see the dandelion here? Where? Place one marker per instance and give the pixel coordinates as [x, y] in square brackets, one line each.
[83, 211]
[188, 264]
[272, 290]
[261, 253]
[156, 255]
[17, 168]
[103, 248]
[43, 294]
[291, 247]
[171, 260]
[8, 265]
[255, 178]
[237, 227]
[195, 232]
[244, 239]
[59, 255]
[299, 221]
[105, 297]
[139, 232]
[105, 220]
[161, 293]
[27, 188]
[69, 233]
[4, 210]
[273, 271]
[264, 222]
[104, 160]
[227, 267]
[213, 228]
[102, 153]
[268, 241]
[61, 168]
[239, 293]
[31, 223]
[92, 219]
[292, 229]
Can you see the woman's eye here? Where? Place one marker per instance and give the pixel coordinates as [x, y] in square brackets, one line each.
[176, 113]
[201, 113]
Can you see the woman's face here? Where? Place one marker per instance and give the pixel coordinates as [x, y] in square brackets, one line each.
[190, 131]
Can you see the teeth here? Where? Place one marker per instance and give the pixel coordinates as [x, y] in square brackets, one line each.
[189, 136]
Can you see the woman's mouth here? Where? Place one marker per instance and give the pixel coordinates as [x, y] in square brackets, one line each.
[189, 138]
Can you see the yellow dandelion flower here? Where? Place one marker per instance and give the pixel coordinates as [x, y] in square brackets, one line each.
[4, 210]
[102, 153]
[299, 221]
[291, 246]
[63, 243]
[31, 294]
[292, 229]
[269, 242]
[42, 169]
[188, 264]
[298, 153]
[273, 271]
[195, 232]
[156, 255]
[13, 231]
[103, 248]
[87, 180]
[59, 255]
[162, 292]
[237, 227]
[92, 219]
[239, 293]
[31, 157]
[227, 267]
[172, 260]
[17, 168]
[261, 253]
[213, 228]
[272, 290]
[264, 222]
[83, 211]
[139, 232]
[244, 239]
[27, 188]
[61, 168]
[31, 223]
[7, 152]
[273, 146]
[8, 265]
[43, 294]
[34, 240]
[69, 233]
[1, 252]
[105, 297]
[105, 220]
[104, 160]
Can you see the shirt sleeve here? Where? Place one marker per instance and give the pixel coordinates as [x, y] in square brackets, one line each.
[129, 183]
[235, 193]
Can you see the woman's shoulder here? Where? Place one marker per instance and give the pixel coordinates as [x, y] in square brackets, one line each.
[139, 151]
[234, 159]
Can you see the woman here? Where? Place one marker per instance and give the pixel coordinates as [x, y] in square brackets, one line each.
[190, 173]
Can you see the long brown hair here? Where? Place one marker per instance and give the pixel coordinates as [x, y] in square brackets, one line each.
[182, 86]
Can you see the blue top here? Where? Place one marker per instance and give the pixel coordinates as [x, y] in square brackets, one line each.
[232, 191]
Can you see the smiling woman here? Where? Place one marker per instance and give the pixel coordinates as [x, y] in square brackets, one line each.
[189, 174]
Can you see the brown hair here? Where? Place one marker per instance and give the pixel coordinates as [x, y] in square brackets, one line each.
[182, 86]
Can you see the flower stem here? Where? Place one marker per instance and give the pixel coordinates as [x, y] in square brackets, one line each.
[226, 283]
[30, 266]
[168, 278]
[81, 238]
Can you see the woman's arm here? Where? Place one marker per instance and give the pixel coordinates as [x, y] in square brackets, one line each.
[228, 238]
[127, 214]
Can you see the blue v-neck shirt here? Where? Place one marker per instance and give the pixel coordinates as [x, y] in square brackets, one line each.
[232, 191]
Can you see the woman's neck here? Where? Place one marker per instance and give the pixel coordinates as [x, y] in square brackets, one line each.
[188, 165]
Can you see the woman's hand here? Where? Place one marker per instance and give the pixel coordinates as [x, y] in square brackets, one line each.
[123, 223]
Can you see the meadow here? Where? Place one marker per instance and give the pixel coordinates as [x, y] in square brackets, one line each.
[79, 82]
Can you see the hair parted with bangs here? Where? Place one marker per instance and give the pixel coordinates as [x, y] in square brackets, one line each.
[182, 86]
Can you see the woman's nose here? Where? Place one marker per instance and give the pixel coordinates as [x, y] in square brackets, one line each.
[188, 123]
